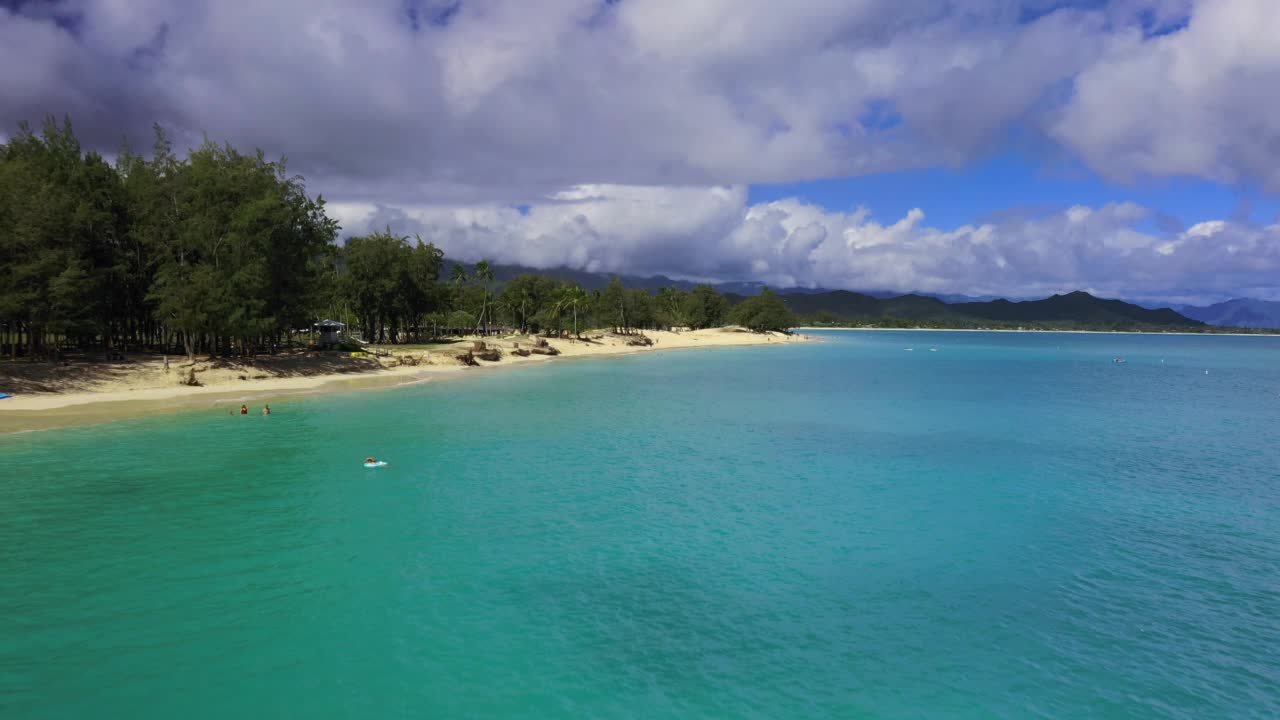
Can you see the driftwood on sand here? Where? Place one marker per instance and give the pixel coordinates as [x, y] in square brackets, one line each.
[542, 347]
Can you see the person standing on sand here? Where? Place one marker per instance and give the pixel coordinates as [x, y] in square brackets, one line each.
[244, 409]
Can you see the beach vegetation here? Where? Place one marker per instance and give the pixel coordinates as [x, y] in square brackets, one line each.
[706, 308]
[225, 253]
[571, 300]
[766, 312]
[484, 274]
[526, 298]
[390, 284]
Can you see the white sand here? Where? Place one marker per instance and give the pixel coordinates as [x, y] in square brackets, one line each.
[81, 394]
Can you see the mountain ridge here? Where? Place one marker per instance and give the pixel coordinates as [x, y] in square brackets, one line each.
[594, 280]
[1239, 312]
[1077, 308]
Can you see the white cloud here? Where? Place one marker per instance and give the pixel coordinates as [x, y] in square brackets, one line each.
[522, 98]
[511, 99]
[712, 233]
[516, 99]
[632, 128]
[1194, 103]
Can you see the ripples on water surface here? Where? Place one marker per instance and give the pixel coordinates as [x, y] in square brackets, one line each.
[1012, 526]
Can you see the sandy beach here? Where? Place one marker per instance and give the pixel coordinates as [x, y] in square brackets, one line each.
[47, 395]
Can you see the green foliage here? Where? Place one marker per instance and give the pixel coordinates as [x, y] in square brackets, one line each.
[571, 300]
[671, 307]
[764, 313]
[62, 220]
[706, 308]
[225, 252]
[242, 261]
[484, 273]
[1072, 311]
[219, 248]
[390, 283]
[641, 309]
[613, 303]
[526, 298]
[460, 319]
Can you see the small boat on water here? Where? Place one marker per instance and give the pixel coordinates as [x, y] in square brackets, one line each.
[1119, 360]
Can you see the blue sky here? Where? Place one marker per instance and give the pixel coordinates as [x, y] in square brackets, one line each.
[1130, 148]
[1011, 182]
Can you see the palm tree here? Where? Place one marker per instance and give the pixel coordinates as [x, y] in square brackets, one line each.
[484, 271]
[517, 303]
[571, 297]
[459, 278]
[508, 305]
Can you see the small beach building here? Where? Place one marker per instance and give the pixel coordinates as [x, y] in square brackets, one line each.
[330, 333]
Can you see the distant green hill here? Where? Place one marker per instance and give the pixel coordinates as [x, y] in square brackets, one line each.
[1071, 311]
[1073, 307]
[1076, 310]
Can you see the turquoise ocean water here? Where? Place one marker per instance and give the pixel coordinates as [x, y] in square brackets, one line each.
[1012, 526]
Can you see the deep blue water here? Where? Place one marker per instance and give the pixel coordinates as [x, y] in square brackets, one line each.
[1011, 526]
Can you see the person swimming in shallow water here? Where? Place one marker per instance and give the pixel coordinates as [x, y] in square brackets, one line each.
[266, 409]
[244, 409]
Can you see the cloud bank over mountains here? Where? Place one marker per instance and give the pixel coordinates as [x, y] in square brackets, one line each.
[629, 128]
[714, 234]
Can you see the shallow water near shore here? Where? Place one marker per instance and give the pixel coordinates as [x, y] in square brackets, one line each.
[1010, 525]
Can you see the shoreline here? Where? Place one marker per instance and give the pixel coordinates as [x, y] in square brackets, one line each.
[39, 411]
[1061, 332]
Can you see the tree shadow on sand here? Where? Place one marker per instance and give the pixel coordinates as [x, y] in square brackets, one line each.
[86, 374]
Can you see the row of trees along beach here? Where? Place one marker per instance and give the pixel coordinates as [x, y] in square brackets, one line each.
[224, 253]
